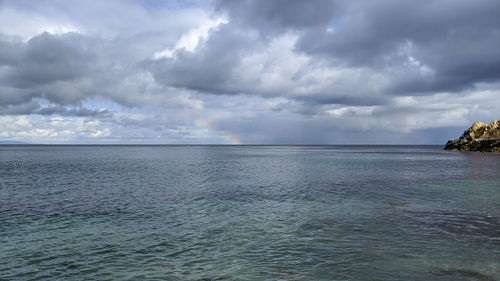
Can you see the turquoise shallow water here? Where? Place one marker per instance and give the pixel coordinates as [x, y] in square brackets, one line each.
[248, 213]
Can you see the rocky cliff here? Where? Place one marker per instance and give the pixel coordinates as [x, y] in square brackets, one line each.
[478, 137]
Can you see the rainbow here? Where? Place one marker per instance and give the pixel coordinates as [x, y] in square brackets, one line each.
[205, 125]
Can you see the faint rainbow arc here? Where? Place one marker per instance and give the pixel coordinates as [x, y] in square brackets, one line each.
[205, 125]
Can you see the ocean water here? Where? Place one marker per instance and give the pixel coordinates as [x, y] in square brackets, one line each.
[248, 213]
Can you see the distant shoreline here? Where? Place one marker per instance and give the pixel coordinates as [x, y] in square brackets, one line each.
[13, 143]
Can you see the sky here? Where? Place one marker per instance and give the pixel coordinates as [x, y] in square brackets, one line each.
[247, 71]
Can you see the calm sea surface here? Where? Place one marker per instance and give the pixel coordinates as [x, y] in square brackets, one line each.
[248, 213]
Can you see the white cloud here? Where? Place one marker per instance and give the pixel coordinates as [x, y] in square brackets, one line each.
[189, 41]
[277, 70]
[50, 129]
[26, 24]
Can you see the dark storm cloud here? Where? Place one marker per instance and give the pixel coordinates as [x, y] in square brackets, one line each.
[392, 47]
[418, 47]
[210, 67]
[278, 13]
[80, 112]
[252, 26]
[43, 67]
[456, 40]
[35, 106]
[66, 69]
[48, 58]
[19, 109]
[10, 52]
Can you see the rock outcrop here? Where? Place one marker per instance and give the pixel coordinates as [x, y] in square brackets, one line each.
[478, 137]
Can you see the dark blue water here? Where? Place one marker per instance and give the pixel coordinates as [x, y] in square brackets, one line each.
[248, 213]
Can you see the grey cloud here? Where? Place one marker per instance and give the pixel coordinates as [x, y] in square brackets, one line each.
[10, 52]
[377, 38]
[47, 58]
[344, 98]
[79, 111]
[414, 48]
[20, 108]
[456, 40]
[269, 128]
[12, 96]
[47, 66]
[372, 30]
[66, 69]
[36, 106]
[209, 69]
[217, 67]
[279, 13]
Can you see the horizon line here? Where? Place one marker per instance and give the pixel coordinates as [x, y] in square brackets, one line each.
[208, 144]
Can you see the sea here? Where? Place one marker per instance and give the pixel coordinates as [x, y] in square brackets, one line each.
[236, 212]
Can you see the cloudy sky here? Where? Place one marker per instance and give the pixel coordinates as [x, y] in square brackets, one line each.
[226, 72]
